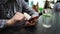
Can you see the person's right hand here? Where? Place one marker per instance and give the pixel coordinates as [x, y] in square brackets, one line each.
[17, 17]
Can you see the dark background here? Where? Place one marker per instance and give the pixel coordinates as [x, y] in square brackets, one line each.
[26, 0]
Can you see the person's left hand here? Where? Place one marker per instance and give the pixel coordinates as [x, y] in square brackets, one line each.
[32, 21]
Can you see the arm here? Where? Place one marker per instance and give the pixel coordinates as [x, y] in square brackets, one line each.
[18, 17]
[29, 10]
[4, 23]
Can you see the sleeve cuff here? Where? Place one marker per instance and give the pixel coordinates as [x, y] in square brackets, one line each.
[3, 23]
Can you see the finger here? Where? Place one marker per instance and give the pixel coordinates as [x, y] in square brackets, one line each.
[27, 23]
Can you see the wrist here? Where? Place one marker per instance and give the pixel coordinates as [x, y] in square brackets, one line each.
[10, 21]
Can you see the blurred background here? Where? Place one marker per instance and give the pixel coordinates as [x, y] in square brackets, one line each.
[41, 5]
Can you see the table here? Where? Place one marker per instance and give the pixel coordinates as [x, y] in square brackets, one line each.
[31, 30]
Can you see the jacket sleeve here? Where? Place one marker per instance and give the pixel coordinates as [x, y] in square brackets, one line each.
[27, 9]
[2, 24]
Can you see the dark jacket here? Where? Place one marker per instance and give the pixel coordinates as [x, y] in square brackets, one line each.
[9, 8]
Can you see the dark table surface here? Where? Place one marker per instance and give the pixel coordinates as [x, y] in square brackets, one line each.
[38, 29]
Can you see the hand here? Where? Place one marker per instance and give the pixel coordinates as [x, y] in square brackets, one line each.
[17, 17]
[32, 21]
